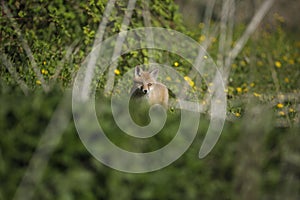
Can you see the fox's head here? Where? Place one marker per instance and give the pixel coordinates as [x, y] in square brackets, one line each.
[144, 79]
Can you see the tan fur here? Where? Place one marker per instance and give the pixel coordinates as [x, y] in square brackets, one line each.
[146, 86]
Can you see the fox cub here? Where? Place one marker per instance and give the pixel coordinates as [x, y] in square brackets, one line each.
[146, 86]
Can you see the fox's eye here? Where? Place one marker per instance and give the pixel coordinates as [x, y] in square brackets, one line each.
[149, 84]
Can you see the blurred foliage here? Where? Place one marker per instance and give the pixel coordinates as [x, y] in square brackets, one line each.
[267, 69]
[50, 27]
[253, 160]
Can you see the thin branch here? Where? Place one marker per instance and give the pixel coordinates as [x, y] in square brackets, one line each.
[223, 32]
[147, 23]
[94, 55]
[60, 65]
[14, 73]
[26, 48]
[208, 16]
[118, 47]
[250, 29]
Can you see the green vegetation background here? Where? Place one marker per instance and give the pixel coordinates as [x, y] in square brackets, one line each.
[257, 156]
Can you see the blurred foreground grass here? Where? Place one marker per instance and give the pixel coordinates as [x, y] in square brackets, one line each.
[253, 158]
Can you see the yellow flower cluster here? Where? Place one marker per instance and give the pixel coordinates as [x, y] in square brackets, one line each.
[281, 113]
[201, 25]
[291, 110]
[189, 80]
[256, 94]
[168, 78]
[117, 72]
[237, 114]
[278, 64]
[239, 90]
[279, 105]
[202, 38]
[44, 71]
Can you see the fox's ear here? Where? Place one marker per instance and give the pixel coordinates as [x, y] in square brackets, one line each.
[137, 71]
[154, 73]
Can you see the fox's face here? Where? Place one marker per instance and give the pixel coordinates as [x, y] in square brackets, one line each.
[146, 87]
[144, 80]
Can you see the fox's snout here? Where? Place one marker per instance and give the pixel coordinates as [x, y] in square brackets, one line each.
[146, 88]
[145, 91]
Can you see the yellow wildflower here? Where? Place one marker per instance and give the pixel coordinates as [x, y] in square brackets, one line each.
[176, 64]
[279, 105]
[201, 25]
[44, 71]
[202, 38]
[291, 110]
[38, 82]
[243, 63]
[256, 94]
[117, 72]
[239, 89]
[278, 64]
[291, 61]
[281, 113]
[237, 114]
[189, 80]
[44, 62]
[260, 63]
[252, 84]
[287, 80]
[213, 39]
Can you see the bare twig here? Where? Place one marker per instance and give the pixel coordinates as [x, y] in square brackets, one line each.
[250, 29]
[147, 23]
[208, 16]
[26, 48]
[14, 73]
[62, 62]
[118, 47]
[94, 55]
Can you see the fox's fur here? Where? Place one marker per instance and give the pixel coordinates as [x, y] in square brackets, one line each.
[146, 86]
